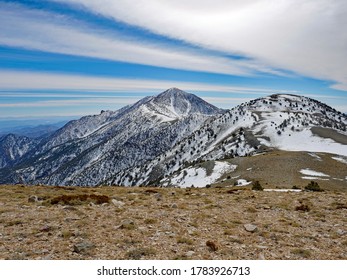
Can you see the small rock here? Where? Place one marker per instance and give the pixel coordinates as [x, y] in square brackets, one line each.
[127, 224]
[261, 247]
[118, 203]
[46, 228]
[190, 254]
[250, 227]
[170, 234]
[158, 196]
[33, 198]
[174, 205]
[83, 247]
[341, 232]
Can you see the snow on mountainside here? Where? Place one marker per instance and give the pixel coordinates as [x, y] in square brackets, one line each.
[94, 148]
[13, 147]
[174, 138]
[286, 122]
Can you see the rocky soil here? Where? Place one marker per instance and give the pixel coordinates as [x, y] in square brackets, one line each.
[38, 222]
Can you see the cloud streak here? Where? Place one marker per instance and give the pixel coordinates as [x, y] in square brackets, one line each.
[78, 92]
[304, 36]
[48, 81]
[50, 32]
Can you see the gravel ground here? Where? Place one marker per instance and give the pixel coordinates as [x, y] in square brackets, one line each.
[155, 223]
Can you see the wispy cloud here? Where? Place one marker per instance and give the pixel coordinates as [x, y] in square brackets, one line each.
[304, 36]
[71, 102]
[78, 92]
[50, 32]
[47, 81]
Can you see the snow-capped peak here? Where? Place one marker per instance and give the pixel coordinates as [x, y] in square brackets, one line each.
[175, 103]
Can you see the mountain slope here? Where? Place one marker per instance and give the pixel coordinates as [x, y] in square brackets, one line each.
[286, 122]
[89, 150]
[13, 147]
[174, 138]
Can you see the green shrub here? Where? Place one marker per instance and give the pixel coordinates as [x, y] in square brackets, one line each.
[256, 186]
[313, 186]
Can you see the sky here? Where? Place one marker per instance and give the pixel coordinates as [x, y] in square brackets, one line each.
[69, 58]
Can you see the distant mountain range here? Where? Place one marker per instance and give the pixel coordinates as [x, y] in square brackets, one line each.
[33, 131]
[174, 138]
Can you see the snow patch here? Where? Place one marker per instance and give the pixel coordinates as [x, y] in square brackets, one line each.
[315, 156]
[310, 172]
[282, 190]
[242, 182]
[198, 177]
[340, 159]
[314, 178]
[338, 179]
[301, 139]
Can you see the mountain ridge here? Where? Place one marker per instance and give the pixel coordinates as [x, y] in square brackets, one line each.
[149, 141]
[95, 141]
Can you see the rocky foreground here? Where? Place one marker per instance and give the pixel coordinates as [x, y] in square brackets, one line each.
[38, 222]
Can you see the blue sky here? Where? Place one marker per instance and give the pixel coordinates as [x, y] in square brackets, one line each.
[68, 58]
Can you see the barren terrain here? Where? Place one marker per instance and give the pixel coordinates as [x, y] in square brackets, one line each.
[39, 222]
[283, 169]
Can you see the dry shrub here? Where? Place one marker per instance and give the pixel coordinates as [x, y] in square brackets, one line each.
[80, 199]
[306, 254]
[341, 206]
[151, 191]
[213, 246]
[302, 207]
[233, 191]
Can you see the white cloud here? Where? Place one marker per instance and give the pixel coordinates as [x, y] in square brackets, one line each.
[105, 91]
[304, 36]
[44, 31]
[48, 81]
[71, 102]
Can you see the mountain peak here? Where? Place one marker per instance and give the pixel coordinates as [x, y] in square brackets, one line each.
[173, 92]
[175, 102]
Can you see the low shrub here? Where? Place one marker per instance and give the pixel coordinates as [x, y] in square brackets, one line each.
[80, 199]
[313, 186]
[257, 186]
